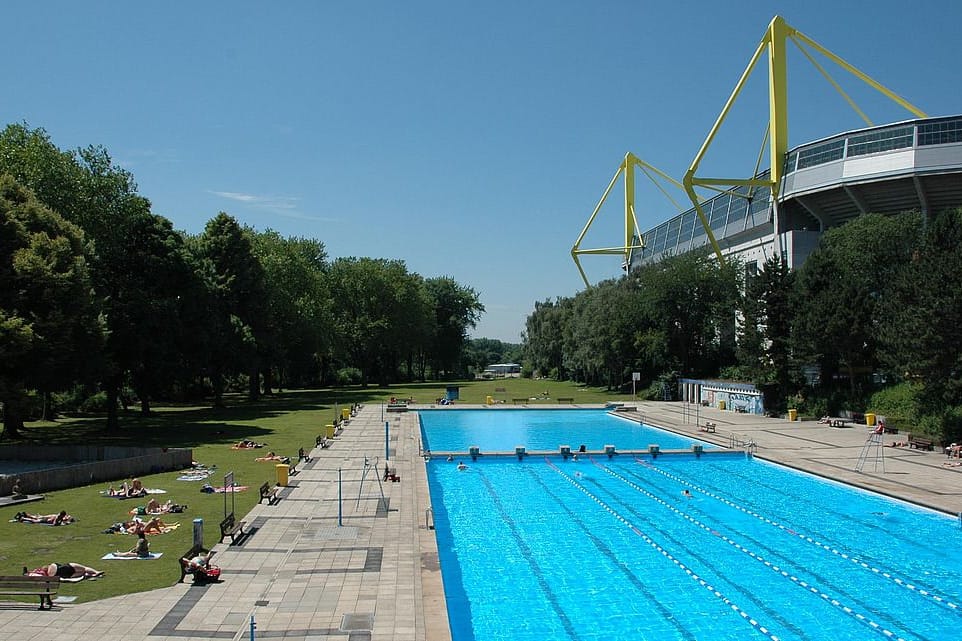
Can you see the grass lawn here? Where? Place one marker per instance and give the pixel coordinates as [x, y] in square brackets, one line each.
[285, 421]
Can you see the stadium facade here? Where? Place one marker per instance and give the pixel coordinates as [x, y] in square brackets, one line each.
[914, 165]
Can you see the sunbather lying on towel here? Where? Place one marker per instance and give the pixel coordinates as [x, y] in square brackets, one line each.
[64, 571]
[47, 519]
[247, 445]
[273, 457]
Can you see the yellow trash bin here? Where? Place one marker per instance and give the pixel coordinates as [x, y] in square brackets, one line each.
[721, 405]
[283, 470]
[870, 419]
[346, 413]
[490, 400]
[793, 415]
[329, 431]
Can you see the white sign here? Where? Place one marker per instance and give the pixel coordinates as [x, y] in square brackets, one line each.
[636, 376]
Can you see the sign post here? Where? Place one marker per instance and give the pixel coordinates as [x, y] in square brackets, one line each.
[635, 377]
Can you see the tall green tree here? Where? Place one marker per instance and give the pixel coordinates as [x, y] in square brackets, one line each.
[298, 307]
[237, 314]
[47, 317]
[920, 336]
[457, 309]
[843, 289]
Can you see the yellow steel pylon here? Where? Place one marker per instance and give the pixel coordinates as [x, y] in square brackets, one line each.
[633, 237]
[773, 43]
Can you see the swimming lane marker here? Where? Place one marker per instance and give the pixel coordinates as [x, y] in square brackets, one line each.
[894, 579]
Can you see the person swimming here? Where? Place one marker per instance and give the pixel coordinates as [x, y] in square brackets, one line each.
[462, 466]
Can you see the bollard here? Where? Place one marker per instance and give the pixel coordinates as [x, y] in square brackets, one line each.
[198, 533]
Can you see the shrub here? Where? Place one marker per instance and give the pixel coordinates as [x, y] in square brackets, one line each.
[348, 376]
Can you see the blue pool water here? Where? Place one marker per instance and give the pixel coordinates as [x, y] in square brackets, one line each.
[501, 430]
[612, 549]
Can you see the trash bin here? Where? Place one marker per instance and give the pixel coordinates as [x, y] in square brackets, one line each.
[721, 405]
[346, 413]
[283, 471]
[329, 431]
[198, 533]
[793, 415]
[490, 400]
[870, 419]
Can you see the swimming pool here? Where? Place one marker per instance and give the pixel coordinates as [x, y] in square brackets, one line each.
[604, 548]
[501, 430]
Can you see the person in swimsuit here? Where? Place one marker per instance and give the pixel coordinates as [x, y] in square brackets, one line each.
[65, 571]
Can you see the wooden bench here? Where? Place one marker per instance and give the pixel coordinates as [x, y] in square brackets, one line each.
[44, 587]
[518, 401]
[708, 427]
[272, 494]
[231, 527]
[397, 407]
[292, 464]
[920, 443]
[184, 561]
[564, 399]
[837, 422]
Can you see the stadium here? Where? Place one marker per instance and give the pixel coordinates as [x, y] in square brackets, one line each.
[910, 165]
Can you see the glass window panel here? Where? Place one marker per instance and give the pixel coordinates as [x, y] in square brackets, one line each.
[940, 133]
[821, 154]
[883, 140]
[719, 212]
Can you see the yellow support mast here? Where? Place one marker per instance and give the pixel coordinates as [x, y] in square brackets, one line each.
[774, 44]
[633, 239]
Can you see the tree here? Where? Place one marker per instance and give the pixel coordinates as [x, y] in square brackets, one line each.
[236, 315]
[47, 317]
[844, 288]
[298, 306]
[920, 337]
[456, 310]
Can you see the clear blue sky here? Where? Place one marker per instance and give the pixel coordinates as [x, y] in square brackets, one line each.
[469, 140]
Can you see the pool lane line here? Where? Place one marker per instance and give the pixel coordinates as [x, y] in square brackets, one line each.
[529, 557]
[665, 553]
[738, 546]
[608, 553]
[939, 599]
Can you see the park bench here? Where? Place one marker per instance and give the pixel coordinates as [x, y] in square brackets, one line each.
[397, 407]
[920, 443]
[272, 494]
[323, 441]
[44, 587]
[837, 422]
[390, 474]
[708, 427]
[292, 464]
[231, 527]
[518, 401]
[566, 399]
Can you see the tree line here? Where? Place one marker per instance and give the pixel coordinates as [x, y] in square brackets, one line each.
[870, 322]
[100, 298]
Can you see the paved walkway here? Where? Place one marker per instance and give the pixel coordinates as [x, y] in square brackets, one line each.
[371, 572]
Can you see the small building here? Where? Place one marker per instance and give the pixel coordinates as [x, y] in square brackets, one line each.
[502, 370]
[723, 395]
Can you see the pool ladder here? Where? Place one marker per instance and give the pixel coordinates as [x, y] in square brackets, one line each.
[429, 518]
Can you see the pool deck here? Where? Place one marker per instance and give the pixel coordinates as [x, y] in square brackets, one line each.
[374, 576]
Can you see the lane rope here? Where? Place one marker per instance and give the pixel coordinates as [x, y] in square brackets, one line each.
[941, 600]
[775, 568]
[647, 539]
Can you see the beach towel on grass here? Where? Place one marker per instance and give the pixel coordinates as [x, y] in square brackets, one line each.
[105, 494]
[110, 556]
[195, 476]
[35, 523]
[232, 488]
